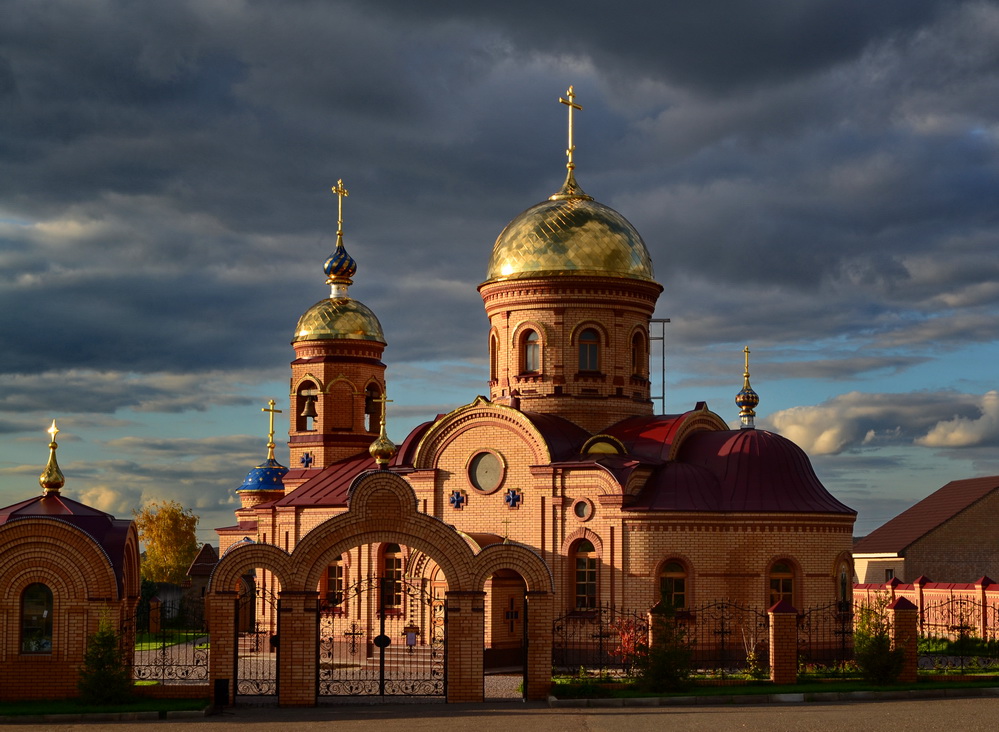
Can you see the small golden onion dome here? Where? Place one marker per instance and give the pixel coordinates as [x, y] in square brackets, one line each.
[338, 317]
[383, 449]
[52, 479]
[569, 234]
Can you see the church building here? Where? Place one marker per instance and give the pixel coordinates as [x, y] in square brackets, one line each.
[563, 454]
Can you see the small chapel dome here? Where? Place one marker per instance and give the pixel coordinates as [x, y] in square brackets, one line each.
[569, 235]
[339, 317]
[268, 476]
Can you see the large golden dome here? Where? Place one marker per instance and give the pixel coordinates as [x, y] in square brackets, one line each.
[569, 235]
[338, 317]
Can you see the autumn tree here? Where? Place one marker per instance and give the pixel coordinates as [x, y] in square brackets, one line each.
[168, 532]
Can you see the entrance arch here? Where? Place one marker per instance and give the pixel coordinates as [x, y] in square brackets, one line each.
[382, 509]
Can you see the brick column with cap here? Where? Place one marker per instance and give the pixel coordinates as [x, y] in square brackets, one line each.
[783, 643]
[905, 634]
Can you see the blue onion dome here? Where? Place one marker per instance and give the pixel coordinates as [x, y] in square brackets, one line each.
[268, 476]
[340, 266]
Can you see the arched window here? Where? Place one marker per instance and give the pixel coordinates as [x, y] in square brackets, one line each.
[333, 589]
[532, 352]
[781, 583]
[36, 619]
[392, 577]
[372, 408]
[306, 399]
[586, 575]
[673, 585]
[589, 350]
[639, 358]
[493, 357]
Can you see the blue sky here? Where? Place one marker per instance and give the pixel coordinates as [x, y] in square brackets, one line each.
[817, 180]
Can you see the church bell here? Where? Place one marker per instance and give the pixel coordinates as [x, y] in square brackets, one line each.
[310, 408]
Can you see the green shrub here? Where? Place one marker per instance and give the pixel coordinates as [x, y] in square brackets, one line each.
[665, 664]
[105, 677]
[879, 662]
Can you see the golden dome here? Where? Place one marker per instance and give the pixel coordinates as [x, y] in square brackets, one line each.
[338, 317]
[569, 234]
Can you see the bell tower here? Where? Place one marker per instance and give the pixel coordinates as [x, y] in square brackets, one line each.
[337, 376]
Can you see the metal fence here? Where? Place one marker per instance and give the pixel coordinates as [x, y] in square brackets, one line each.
[170, 642]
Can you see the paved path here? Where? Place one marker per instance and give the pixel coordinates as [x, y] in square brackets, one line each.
[966, 715]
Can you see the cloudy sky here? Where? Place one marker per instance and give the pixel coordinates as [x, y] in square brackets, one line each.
[818, 180]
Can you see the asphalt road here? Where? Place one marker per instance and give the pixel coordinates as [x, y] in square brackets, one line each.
[965, 715]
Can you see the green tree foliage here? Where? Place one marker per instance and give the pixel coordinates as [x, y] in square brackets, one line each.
[878, 661]
[665, 664]
[168, 532]
[104, 677]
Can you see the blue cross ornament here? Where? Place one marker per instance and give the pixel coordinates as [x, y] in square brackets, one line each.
[458, 500]
[513, 498]
[306, 460]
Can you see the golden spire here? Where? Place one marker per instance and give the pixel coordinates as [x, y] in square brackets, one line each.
[383, 449]
[570, 189]
[341, 193]
[52, 478]
[270, 435]
[747, 399]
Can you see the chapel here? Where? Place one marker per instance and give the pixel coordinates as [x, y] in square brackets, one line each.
[562, 454]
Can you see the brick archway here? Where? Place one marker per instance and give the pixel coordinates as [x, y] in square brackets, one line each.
[381, 508]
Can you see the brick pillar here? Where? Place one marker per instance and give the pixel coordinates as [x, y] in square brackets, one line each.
[220, 608]
[783, 643]
[466, 636]
[540, 615]
[905, 634]
[298, 640]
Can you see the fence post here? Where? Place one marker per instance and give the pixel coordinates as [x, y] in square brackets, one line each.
[920, 583]
[983, 623]
[783, 643]
[904, 623]
[155, 615]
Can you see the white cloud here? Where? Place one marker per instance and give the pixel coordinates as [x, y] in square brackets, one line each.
[967, 432]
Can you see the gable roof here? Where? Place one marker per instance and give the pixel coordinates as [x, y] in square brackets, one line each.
[931, 512]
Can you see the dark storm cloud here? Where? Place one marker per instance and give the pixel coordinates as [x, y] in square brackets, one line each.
[712, 45]
[798, 169]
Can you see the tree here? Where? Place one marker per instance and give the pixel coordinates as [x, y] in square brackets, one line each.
[168, 531]
[105, 677]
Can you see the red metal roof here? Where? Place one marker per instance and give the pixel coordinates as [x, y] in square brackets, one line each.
[931, 512]
[738, 470]
[109, 533]
[329, 486]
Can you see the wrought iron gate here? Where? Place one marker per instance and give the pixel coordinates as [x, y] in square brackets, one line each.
[257, 646]
[171, 641]
[382, 637]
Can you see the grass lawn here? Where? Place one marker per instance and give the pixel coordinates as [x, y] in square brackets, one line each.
[569, 690]
[165, 639]
[74, 706]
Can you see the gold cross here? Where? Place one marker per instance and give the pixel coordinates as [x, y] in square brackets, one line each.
[506, 531]
[571, 105]
[341, 193]
[746, 351]
[270, 436]
[383, 400]
[53, 430]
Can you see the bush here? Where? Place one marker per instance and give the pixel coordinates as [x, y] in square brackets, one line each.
[664, 665]
[879, 662]
[105, 677]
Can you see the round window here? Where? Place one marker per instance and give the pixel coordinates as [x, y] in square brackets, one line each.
[582, 509]
[485, 471]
